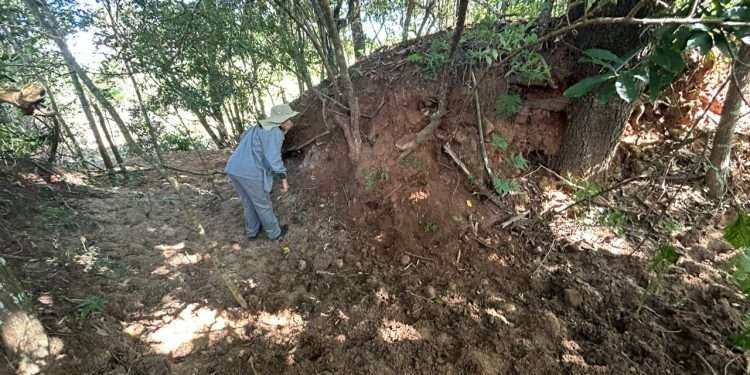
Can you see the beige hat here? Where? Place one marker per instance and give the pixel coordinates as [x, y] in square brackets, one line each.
[279, 114]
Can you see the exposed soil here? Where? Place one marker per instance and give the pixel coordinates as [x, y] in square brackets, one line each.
[392, 267]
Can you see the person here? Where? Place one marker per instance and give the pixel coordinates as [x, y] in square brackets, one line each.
[253, 167]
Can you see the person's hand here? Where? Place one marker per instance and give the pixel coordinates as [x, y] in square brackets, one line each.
[284, 186]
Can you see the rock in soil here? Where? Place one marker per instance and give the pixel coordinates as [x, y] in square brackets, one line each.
[430, 292]
[719, 245]
[572, 297]
[405, 260]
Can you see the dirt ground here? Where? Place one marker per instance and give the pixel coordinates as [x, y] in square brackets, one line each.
[334, 298]
[397, 267]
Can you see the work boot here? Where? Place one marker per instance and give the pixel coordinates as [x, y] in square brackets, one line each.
[280, 237]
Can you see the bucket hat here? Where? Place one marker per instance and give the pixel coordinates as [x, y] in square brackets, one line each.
[279, 114]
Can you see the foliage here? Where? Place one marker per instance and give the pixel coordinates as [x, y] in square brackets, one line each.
[738, 233]
[615, 219]
[430, 227]
[504, 186]
[586, 190]
[18, 141]
[666, 256]
[434, 59]
[374, 176]
[626, 76]
[519, 162]
[486, 45]
[508, 105]
[90, 306]
[176, 141]
[500, 142]
[671, 226]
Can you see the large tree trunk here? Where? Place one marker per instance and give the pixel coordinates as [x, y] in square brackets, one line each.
[718, 171]
[24, 338]
[50, 26]
[591, 135]
[593, 129]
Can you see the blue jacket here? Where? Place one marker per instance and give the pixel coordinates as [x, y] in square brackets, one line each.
[258, 156]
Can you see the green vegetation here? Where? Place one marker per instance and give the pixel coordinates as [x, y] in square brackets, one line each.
[91, 306]
[500, 142]
[374, 176]
[504, 186]
[507, 106]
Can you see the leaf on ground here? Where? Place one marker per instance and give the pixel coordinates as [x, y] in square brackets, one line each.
[738, 233]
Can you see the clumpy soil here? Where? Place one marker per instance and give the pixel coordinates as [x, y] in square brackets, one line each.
[336, 298]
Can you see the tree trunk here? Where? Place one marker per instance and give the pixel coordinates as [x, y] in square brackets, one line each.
[85, 106]
[593, 129]
[151, 129]
[207, 128]
[50, 26]
[354, 138]
[358, 34]
[716, 177]
[592, 135]
[407, 20]
[54, 140]
[68, 132]
[108, 137]
[23, 335]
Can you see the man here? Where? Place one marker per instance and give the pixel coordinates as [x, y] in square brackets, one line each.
[253, 167]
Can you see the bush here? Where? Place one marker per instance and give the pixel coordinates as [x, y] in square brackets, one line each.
[174, 141]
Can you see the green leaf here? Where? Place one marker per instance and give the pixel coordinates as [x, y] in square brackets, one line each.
[606, 91]
[626, 87]
[519, 162]
[603, 54]
[701, 40]
[500, 142]
[506, 106]
[668, 59]
[658, 80]
[665, 257]
[504, 186]
[586, 85]
[721, 43]
[738, 233]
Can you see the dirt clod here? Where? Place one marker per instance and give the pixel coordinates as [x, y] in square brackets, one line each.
[572, 297]
[719, 245]
[405, 260]
[430, 292]
[552, 325]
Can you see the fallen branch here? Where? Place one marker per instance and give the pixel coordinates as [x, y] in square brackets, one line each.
[482, 149]
[307, 142]
[212, 173]
[482, 189]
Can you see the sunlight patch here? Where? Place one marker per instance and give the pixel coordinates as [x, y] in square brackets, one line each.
[392, 331]
[194, 323]
[282, 328]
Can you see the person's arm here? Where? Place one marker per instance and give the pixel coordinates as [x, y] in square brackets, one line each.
[273, 140]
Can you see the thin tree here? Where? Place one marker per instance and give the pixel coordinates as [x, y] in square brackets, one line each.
[352, 131]
[108, 137]
[48, 23]
[86, 107]
[718, 171]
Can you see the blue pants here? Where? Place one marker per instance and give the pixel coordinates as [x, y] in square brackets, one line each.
[258, 206]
